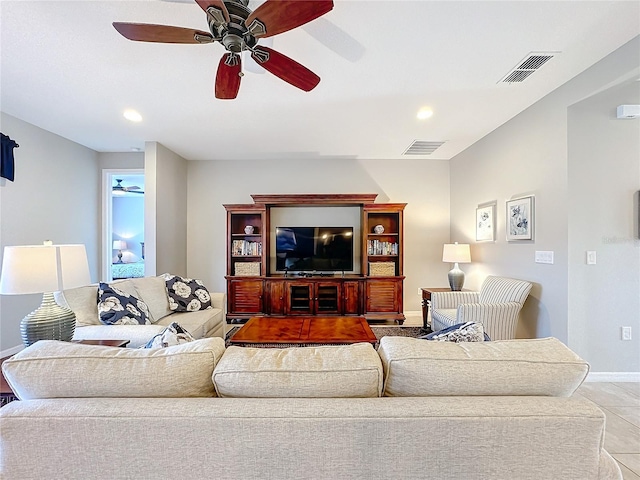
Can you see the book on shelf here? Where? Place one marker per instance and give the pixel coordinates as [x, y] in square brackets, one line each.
[378, 247]
[246, 248]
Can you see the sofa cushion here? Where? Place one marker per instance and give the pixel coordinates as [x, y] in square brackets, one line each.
[186, 294]
[153, 291]
[83, 301]
[314, 372]
[54, 369]
[138, 335]
[117, 307]
[197, 323]
[544, 367]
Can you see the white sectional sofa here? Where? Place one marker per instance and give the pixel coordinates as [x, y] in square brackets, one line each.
[414, 409]
[152, 290]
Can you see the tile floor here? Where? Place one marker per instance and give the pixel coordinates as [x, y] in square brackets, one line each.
[620, 402]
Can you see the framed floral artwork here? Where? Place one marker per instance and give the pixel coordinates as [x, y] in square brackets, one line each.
[485, 223]
[520, 218]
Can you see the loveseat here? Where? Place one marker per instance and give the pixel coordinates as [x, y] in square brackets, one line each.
[153, 291]
[413, 409]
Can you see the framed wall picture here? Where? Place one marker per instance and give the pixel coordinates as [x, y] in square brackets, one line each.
[485, 223]
[520, 218]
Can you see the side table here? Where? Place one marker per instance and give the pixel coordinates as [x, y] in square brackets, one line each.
[7, 395]
[426, 303]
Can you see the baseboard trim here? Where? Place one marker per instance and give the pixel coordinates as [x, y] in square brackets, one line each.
[11, 351]
[416, 313]
[613, 377]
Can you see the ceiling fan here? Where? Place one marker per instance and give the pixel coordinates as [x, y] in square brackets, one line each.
[238, 28]
[119, 189]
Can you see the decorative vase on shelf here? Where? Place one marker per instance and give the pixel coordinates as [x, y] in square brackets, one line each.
[248, 229]
[379, 229]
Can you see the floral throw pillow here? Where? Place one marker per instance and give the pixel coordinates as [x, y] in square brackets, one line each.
[186, 294]
[116, 307]
[462, 332]
[174, 334]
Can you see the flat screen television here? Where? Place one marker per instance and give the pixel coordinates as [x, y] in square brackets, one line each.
[321, 249]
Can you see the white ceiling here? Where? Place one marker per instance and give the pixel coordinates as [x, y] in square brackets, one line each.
[65, 68]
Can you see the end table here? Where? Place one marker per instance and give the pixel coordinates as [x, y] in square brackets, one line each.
[426, 303]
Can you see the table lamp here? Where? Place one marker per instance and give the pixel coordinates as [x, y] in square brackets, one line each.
[456, 253]
[119, 245]
[45, 269]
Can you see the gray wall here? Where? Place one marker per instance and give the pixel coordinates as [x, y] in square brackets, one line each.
[604, 176]
[55, 196]
[165, 205]
[422, 184]
[528, 156]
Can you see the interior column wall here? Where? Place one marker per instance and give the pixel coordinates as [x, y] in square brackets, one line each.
[604, 181]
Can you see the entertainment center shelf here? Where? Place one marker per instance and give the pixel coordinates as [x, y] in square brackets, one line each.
[253, 289]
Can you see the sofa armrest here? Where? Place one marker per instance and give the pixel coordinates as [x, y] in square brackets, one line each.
[440, 300]
[219, 300]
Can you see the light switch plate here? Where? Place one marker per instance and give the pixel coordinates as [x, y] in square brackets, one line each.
[591, 257]
[544, 257]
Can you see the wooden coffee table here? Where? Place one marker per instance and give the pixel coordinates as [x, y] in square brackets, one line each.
[303, 330]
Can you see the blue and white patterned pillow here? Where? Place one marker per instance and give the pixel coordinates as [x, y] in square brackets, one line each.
[116, 307]
[462, 332]
[186, 294]
[174, 334]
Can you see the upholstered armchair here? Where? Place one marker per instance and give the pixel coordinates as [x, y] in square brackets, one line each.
[497, 306]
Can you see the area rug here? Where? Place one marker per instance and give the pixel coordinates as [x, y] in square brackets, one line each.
[378, 331]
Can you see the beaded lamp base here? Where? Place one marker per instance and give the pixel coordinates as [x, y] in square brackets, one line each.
[48, 322]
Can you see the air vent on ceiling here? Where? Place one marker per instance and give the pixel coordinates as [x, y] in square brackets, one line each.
[527, 66]
[421, 147]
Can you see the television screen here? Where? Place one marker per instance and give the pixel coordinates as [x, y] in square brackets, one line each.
[323, 249]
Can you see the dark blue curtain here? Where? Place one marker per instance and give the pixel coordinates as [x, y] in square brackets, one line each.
[7, 164]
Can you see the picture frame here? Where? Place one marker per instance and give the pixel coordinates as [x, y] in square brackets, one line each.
[520, 218]
[486, 223]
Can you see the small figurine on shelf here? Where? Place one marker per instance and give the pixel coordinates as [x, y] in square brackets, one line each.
[379, 229]
[248, 229]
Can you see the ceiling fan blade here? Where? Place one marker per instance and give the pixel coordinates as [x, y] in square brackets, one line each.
[277, 16]
[228, 77]
[287, 69]
[219, 4]
[145, 32]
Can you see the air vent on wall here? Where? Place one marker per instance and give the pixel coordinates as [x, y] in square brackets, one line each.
[421, 147]
[527, 66]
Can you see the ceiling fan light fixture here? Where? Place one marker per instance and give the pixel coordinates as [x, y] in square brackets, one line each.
[132, 116]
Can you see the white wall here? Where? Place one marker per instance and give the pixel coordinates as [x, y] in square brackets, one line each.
[56, 197]
[528, 155]
[422, 184]
[166, 211]
[604, 176]
[128, 225]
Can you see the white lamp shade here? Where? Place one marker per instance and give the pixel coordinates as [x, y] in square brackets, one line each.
[43, 268]
[456, 253]
[119, 245]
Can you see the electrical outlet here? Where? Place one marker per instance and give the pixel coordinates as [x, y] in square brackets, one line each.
[626, 333]
[419, 291]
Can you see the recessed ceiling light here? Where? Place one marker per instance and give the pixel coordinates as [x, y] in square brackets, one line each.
[424, 113]
[132, 116]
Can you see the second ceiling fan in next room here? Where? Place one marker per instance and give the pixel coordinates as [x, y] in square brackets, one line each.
[119, 189]
[238, 28]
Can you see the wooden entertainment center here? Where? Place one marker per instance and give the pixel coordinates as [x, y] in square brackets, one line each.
[254, 290]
